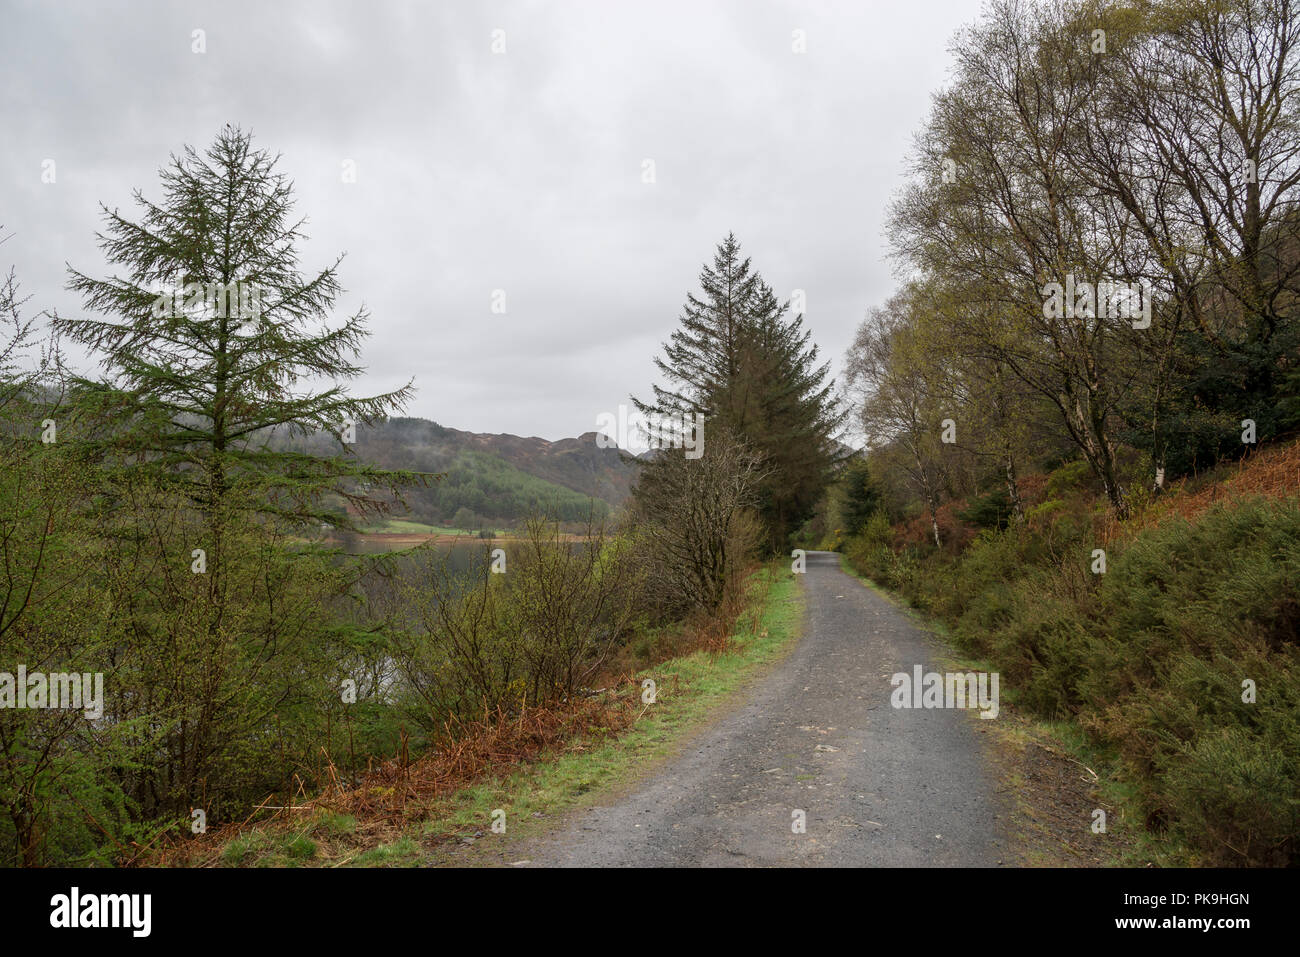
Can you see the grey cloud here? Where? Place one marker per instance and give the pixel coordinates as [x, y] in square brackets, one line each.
[477, 171]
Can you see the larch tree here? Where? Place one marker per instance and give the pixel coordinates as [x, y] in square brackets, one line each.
[213, 338]
[214, 343]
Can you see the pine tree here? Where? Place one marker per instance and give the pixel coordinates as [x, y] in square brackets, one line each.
[743, 363]
[794, 415]
[213, 338]
[859, 497]
[701, 361]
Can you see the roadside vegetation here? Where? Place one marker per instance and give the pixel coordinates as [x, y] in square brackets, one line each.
[1081, 405]
[1142, 668]
[527, 767]
[177, 527]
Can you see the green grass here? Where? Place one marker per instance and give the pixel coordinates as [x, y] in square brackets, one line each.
[244, 848]
[335, 825]
[300, 847]
[257, 848]
[688, 690]
[400, 526]
[403, 852]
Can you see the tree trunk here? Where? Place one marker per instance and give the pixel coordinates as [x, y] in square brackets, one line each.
[1013, 489]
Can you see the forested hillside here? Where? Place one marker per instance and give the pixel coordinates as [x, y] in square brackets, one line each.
[490, 479]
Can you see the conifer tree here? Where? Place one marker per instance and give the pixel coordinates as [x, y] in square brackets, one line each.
[213, 338]
[215, 343]
[740, 360]
[701, 360]
[794, 418]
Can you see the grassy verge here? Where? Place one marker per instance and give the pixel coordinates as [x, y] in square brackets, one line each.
[689, 690]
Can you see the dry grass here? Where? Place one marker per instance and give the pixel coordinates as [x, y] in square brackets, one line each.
[953, 532]
[399, 792]
[1272, 473]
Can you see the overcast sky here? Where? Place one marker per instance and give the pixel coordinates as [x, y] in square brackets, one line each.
[477, 171]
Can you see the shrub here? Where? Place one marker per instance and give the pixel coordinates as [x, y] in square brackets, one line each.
[527, 637]
[1150, 658]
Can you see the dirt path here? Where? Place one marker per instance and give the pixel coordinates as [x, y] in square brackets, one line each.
[878, 786]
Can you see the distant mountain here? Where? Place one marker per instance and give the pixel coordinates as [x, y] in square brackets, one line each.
[496, 478]
[577, 464]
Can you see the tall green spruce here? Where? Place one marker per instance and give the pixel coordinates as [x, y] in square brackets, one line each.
[740, 360]
[232, 630]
